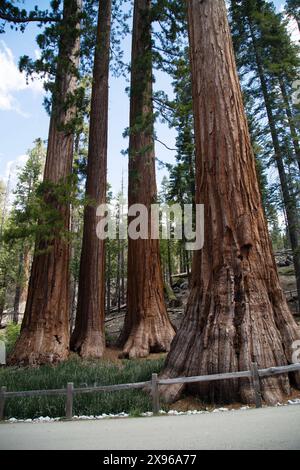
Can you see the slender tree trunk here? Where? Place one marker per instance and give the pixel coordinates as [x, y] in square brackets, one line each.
[289, 113]
[122, 247]
[88, 338]
[45, 328]
[73, 280]
[18, 290]
[2, 301]
[187, 263]
[118, 281]
[122, 273]
[119, 276]
[73, 308]
[191, 164]
[26, 274]
[237, 312]
[147, 327]
[169, 264]
[16, 304]
[108, 281]
[181, 259]
[1, 311]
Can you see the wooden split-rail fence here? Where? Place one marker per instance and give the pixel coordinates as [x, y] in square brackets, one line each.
[254, 374]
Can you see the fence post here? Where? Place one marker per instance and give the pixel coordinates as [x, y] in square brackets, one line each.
[69, 401]
[2, 402]
[256, 384]
[155, 394]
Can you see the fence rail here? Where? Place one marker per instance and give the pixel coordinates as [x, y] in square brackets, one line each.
[254, 374]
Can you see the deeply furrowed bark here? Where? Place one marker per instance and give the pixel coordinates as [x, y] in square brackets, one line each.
[45, 328]
[237, 312]
[147, 327]
[88, 336]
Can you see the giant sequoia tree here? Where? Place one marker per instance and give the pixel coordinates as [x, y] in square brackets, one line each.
[236, 312]
[147, 327]
[88, 336]
[45, 329]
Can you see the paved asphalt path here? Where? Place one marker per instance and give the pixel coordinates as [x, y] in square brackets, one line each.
[267, 428]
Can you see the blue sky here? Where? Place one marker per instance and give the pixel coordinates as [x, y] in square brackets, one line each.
[23, 118]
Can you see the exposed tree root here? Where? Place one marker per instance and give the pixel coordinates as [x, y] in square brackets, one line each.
[37, 348]
[227, 328]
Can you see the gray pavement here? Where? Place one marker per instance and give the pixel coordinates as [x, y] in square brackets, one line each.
[267, 428]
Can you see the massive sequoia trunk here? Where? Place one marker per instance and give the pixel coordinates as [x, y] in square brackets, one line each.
[147, 327]
[45, 328]
[236, 312]
[88, 337]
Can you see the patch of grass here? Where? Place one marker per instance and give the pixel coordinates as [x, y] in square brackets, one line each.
[82, 373]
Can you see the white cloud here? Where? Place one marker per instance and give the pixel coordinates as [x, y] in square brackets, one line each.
[13, 167]
[294, 30]
[10, 177]
[12, 81]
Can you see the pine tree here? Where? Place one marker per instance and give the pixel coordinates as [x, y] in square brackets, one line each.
[8, 273]
[18, 18]
[23, 219]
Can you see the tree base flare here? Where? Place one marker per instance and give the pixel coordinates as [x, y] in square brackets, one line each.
[149, 336]
[226, 333]
[91, 345]
[274, 391]
[34, 348]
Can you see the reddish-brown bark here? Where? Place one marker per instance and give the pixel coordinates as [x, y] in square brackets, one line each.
[237, 312]
[45, 328]
[147, 327]
[88, 337]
